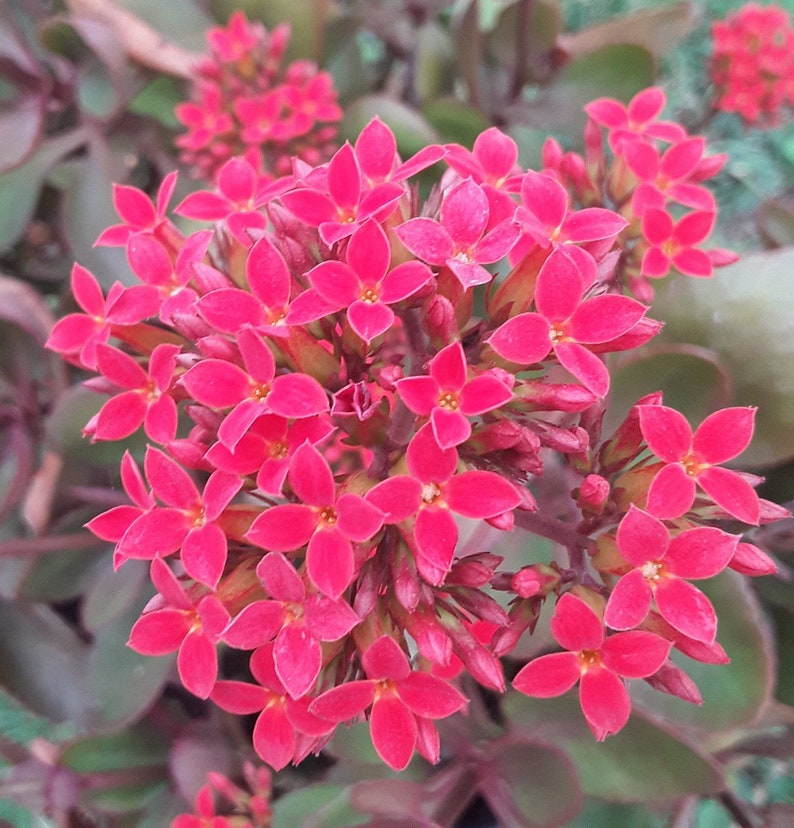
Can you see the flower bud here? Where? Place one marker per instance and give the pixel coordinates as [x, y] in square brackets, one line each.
[627, 441]
[750, 560]
[538, 579]
[440, 321]
[593, 494]
[537, 395]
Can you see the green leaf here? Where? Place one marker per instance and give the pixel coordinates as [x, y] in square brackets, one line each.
[693, 381]
[641, 763]
[599, 814]
[455, 121]
[181, 21]
[20, 726]
[19, 188]
[42, 662]
[112, 593]
[158, 99]
[434, 61]
[122, 684]
[316, 806]
[657, 29]
[618, 71]
[528, 784]
[745, 314]
[88, 210]
[733, 694]
[138, 747]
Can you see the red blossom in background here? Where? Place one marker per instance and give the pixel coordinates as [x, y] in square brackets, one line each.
[752, 63]
[245, 104]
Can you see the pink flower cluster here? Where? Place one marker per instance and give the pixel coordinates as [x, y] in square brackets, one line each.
[245, 103]
[652, 176]
[222, 804]
[327, 414]
[752, 64]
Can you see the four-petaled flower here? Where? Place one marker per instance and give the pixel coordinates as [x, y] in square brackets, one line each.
[285, 731]
[434, 490]
[190, 625]
[404, 701]
[566, 323]
[297, 620]
[449, 399]
[463, 239]
[662, 569]
[597, 662]
[365, 285]
[329, 522]
[694, 459]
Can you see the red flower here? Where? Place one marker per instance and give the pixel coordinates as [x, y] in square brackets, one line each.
[449, 399]
[264, 305]
[694, 459]
[462, 239]
[285, 730]
[674, 244]
[191, 626]
[566, 323]
[669, 176]
[662, 569]
[337, 203]
[188, 521]
[77, 335]
[599, 664]
[296, 620]
[752, 64]
[546, 219]
[365, 286]
[636, 121]
[328, 522]
[436, 489]
[145, 401]
[253, 392]
[403, 701]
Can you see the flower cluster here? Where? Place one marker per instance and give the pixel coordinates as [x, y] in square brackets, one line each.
[752, 65]
[652, 175]
[327, 416]
[246, 103]
[222, 804]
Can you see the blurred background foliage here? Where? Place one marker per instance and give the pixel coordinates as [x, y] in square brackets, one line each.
[92, 734]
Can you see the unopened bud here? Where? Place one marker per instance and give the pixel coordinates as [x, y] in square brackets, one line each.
[750, 560]
[593, 494]
[671, 679]
[440, 321]
[537, 395]
[627, 441]
[538, 579]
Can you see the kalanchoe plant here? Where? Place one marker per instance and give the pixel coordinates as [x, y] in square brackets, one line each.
[325, 411]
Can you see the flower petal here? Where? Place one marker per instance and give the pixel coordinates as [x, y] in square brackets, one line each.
[635, 654]
[575, 625]
[549, 675]
[687, 609]
[605, 702]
